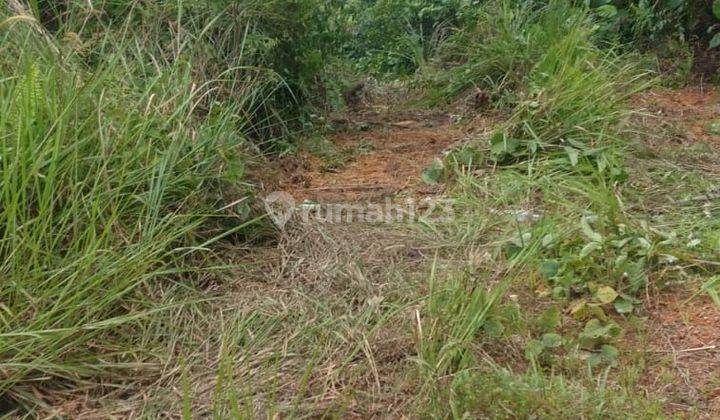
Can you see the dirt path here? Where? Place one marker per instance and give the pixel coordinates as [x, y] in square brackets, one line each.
[382, 156]
[332, 273]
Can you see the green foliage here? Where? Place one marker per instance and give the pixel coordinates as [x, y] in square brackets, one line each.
[568, 95]
[290, 42]
[399, 36]
[607, 252]
[496, 49]
[126, 128]
[303, 35]
[111, 178]
[458, 311]
[498, 393]
[433, 173]
[646, 24]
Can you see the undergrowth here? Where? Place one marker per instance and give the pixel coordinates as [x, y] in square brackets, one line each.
[137, 281]
[113, 180]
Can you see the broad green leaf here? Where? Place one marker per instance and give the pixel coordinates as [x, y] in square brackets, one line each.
[548, 240]
[595, 360]
[551, 340]
[623, 306]
[612, 330]
[593, 329]
[573, 155]
[597, 312]
[493, 328]
[549, 268]
[500, 145]
[713, 128]
[549, 319]
[433, 173]
[589, 249]
[715, 41]
[588, 231]
[608, 355]
[609, 352]
[643, 243]
[716, 9]
[619, 174]
[579, 309]
[522, 240]
[606, 294]
[582, 310]
[467, 157]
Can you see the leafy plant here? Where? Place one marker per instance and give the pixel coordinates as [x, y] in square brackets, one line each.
[399, 36]
[609, 265]
[645, 24]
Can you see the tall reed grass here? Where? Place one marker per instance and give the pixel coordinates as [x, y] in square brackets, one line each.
[117, 148]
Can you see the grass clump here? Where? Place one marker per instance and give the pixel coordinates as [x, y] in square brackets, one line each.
[497, 393]
[110, 186]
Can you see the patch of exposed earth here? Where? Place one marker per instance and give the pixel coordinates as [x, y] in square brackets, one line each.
[692, 112]
[393, 152]
[682, 352]
[681, 344]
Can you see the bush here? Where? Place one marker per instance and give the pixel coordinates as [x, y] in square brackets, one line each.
[399, 36]
[290, 41]
[644, 23]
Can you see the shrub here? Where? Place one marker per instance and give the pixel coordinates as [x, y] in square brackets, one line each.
[399, 36]
[644, 23]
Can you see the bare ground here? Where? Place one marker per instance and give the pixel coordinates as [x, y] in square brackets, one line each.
[681, 345]
[398, 147]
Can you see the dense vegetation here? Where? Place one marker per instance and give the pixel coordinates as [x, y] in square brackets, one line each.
[130, 130]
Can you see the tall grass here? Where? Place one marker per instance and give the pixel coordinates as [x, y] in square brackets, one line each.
[110, 182]
[544, 64]
[510, 46]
